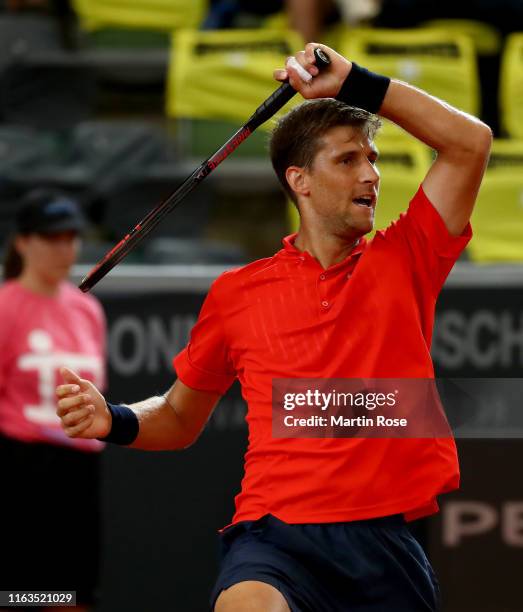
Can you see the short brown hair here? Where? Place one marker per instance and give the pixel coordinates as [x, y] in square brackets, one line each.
[297, 137]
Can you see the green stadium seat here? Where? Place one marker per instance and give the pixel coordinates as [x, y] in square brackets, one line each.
[199, 138]
[497, 221]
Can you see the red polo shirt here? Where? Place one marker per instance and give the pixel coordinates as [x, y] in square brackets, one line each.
[370, 316]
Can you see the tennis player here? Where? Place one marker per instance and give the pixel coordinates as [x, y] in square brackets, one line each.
[321, 524]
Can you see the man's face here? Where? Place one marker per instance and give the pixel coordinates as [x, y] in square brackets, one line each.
[343, 182]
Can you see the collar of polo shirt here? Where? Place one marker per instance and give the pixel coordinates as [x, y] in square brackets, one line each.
[292, 251]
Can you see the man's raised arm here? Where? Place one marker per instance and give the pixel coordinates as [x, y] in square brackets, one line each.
[461, 141]
[170, 422]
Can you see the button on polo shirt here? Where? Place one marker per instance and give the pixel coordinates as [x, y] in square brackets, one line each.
[327, 281]
[369, 316]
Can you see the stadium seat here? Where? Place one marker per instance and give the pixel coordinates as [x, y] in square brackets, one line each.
[162, 15]
[487, 41]
[137, 34]
[125, 207]
[486, 38]
[497, 221]
[276, 21]
[218, 78]
[41, 86]
[100, 155]
[442, 63]
[511, 87]
[22, 148]
[94, 161]
[402, 166]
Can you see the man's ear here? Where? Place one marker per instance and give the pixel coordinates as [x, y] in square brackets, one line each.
[298, 179]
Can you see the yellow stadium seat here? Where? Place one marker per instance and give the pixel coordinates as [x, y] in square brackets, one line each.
[276, 21]
[216, 81]
[511, 87]
[443, 64]
[226, 74]
[497, 221]
[164, 15]
[486, 38]
[403, 166]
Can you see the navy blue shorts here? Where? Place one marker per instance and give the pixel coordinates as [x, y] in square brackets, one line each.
[373, 565]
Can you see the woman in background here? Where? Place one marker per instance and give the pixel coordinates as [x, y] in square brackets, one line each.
[45, 323]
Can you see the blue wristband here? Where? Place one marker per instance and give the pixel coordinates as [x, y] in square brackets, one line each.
[125, 426]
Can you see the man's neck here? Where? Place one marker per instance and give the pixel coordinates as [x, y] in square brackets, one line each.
[327, 250]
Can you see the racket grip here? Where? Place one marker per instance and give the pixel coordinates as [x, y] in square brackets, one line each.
[271, 105]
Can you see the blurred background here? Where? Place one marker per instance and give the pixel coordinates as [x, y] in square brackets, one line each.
[117, 101]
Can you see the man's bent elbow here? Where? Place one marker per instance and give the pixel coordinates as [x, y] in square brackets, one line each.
[479, 142]
[485, 138]
[185, 441]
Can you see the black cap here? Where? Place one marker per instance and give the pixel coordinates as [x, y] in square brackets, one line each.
[44, 211]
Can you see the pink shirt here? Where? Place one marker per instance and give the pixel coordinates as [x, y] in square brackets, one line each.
[39, 334]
